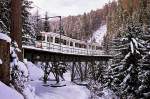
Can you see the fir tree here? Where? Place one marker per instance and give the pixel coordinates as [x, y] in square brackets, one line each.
[124, 71]
[5, 15]
[144, 74]
[28, 26]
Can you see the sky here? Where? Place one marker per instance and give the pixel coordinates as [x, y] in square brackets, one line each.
[67, 7]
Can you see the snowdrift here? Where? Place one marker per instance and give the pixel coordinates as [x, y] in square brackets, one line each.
[8, 93]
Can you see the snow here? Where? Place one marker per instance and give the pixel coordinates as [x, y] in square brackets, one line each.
[126, 78]
[108, 94]
[1, 62]
[70, 91]
[29, 92]
[9, 93]
[135, 42]
[23, 68]
[5, 37]
[127, 56]
[132, 47]
[99, 34]
[35, 73]
[35, 88]
[38, 91]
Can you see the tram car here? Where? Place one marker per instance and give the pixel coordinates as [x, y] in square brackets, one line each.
[50, 40]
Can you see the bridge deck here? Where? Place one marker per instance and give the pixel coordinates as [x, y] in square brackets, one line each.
[33, 53]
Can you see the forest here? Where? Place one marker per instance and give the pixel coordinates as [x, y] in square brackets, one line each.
[125, 76]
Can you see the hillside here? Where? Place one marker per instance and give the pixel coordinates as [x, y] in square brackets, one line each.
[125, 13]
[83, 26]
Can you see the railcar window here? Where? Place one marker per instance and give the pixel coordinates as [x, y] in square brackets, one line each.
[50, 39]
[64, 42]
[83, 46]
[80, 45]
[76, 45]
[71, 43]
[67, 42]
[57, 40]
[40, 38]
[98, 48]
[93, 47]
[89, 46]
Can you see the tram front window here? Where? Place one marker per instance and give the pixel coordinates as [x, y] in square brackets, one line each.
[40, 38]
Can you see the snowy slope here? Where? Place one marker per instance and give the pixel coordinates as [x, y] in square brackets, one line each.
[37, 90]
[99, 34]
[70, 91]
[8, 93]
[35, 73]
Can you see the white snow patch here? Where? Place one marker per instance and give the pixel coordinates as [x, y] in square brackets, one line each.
[127, 56]
[99, 34]
[35, 73]
[126, 78]
[135, 42]
[9, 93]
[1, 62]
[70, 91]
[23, 68]
[108, 94]
[29, 92]
[5, 37]
[132, 47]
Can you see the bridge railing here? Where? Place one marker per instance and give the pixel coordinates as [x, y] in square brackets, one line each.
[53, 47]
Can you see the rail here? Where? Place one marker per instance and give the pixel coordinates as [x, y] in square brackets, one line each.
[57, 48]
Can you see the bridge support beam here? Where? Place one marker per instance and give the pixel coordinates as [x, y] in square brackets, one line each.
[82, 67]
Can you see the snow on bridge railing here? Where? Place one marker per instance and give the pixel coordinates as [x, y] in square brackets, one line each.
[57, 48]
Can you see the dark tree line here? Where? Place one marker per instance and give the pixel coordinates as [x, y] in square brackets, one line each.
[5, 20]
[128, 40]
[82, 26]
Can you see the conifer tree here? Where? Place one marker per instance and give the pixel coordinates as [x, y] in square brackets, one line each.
[124, 71]
[144, 74]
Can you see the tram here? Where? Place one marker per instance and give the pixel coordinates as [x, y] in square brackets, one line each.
[45, 38]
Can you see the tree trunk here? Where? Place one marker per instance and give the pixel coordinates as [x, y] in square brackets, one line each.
[16, 27]
[5, 66]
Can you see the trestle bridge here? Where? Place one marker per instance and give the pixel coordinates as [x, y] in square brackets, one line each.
[82, 60]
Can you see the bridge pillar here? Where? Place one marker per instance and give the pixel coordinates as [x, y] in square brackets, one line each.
[73, 71]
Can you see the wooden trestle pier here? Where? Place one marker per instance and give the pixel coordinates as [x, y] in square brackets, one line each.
[80, 65]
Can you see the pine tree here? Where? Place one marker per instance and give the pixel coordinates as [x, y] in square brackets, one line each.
[28, 26]
[5, 15]
[124, 71]
[144, 74]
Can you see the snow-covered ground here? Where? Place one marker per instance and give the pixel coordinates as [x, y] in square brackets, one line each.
[70, 91]
[99, 34]
[41, 91]
[8, 93]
